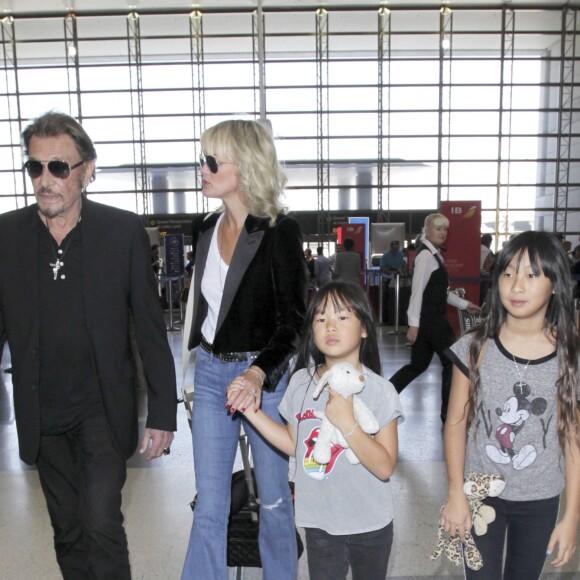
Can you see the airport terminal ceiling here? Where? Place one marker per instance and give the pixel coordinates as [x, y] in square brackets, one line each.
[44, 6]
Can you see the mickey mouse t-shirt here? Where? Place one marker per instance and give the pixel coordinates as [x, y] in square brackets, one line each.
[339, 497]
[514, 431]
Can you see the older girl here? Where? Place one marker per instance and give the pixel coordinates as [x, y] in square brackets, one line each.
[514, 412]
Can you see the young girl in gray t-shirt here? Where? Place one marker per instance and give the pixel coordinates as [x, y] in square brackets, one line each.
[513, 412]
[346, 509]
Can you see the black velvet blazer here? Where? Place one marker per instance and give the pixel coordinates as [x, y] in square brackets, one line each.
[264, 301]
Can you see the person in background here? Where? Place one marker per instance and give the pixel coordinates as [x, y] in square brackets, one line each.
[486, 260]
[188, 274]
[189, 265]
[568, 249]
[311, 274]
[322, 269]
[87, 272]
[249, 304]
[392, 264]
[156, 260]
[347, 267]
[337, 250]
[429, 330]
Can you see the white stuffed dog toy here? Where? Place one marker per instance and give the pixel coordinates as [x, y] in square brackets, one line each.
[345, 380]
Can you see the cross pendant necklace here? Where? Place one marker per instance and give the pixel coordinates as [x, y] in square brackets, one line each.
[521, 384]
[60, 252]
[57, 266]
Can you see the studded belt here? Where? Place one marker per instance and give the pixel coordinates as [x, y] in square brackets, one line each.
[228, 356]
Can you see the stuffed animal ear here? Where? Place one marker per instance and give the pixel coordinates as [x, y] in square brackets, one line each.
[496, 487]
[321, 384]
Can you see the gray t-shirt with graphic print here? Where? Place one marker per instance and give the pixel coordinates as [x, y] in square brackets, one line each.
[514, 432]
[339, 498]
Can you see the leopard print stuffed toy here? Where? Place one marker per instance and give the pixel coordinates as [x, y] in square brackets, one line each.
[477, 487]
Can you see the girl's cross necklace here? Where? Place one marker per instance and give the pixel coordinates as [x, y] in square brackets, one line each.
[521, 384]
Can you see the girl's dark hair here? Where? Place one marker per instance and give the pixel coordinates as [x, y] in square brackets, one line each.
[547, 256]
[340, 295]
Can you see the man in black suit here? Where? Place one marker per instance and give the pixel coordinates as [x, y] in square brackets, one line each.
[75, 276]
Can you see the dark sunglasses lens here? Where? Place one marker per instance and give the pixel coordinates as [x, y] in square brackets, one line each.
[212, 163]
[33, 168]
[60, 169]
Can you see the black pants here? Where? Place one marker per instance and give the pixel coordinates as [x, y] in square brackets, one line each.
[528, 526]
[435, 336]
[368, 554]
[82, 476]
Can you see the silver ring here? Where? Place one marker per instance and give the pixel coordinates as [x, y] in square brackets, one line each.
[166, 451]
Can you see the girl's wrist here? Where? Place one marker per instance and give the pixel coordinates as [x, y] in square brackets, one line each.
[349, 433]
[455, 492]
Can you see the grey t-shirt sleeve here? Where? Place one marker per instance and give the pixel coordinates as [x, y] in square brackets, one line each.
[458, 354]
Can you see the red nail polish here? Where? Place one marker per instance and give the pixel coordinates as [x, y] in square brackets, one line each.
[243, 410]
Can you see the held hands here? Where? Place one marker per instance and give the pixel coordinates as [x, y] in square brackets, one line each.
[245, 391]
[563, 536]
[456, 516]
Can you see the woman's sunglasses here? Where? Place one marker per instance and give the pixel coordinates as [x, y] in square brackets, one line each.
[60, 169]
[212, 163]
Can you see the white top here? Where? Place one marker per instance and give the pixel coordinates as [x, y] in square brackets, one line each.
[425, 265]
[212, 285]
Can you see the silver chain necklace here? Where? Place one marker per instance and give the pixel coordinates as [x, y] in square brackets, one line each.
[521, 384]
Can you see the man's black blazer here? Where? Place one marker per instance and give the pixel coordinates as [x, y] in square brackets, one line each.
[264, 301]
[117, 281]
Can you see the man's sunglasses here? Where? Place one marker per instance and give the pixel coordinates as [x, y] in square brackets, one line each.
[212, 163]
[60, 169]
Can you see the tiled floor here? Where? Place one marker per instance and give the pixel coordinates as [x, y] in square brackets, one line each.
[157, 495]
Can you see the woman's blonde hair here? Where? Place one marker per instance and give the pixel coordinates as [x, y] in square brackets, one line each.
[434, 219]
[251, 146]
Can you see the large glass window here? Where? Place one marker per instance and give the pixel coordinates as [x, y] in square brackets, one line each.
[456, 104]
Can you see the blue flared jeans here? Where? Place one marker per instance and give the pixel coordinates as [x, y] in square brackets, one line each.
[215, 435]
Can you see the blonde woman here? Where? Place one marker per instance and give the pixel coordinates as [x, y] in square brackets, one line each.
[429, 330]
[249, 306]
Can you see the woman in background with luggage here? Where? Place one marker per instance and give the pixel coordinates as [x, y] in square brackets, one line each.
[249, 304]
